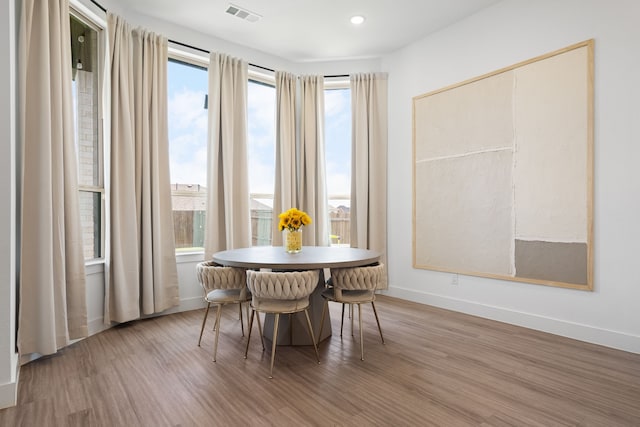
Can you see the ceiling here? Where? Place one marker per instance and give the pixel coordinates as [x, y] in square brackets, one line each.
[315, 30]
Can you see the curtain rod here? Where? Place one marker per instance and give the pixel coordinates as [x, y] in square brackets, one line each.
[99, 5]
[253, 65]
[207, 52]
[199, 49]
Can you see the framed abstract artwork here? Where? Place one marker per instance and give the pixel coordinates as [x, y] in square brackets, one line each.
[503, 173]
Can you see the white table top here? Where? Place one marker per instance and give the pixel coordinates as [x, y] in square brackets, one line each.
[311, 257]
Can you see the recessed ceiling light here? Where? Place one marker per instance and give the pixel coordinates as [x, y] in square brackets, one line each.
[357, 20]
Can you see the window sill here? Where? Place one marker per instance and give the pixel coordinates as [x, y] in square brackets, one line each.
[188, 257]
[94, 266]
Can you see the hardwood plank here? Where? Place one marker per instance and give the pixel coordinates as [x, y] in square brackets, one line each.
[437, 368]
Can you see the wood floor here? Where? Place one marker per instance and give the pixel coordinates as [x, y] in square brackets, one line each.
[438, 368]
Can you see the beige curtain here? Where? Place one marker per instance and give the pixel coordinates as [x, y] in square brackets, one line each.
[228, 222]
[369, 162]
[284, 195]
[142, 264]
[52, 278]
[312, 192]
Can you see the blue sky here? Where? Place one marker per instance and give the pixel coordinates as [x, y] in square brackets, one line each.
[337, 139]
[187, 87]
[261, 104]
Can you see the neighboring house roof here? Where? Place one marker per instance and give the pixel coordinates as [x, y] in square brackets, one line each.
[256, 205]
[193, 197]
[188, 197]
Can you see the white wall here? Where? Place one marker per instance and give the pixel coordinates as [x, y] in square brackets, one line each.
[8, 356]
[507, 33]
[190, 291]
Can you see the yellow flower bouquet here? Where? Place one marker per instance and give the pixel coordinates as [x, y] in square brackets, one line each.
[291, 222]
[293, 219]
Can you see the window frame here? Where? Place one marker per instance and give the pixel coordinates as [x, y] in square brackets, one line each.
[100, 29]
[200, 61]
[260, 77]
[340, 83]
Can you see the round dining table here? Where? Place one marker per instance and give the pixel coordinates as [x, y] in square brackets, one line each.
[319, 258]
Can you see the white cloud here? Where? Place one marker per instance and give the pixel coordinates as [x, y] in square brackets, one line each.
[338, 141]
[190, 171]
[338, 179]
[188, 144]
[187, 138]
[337, 103]
[186, 109]
[261, 102]
[261, 175]
[261, 138]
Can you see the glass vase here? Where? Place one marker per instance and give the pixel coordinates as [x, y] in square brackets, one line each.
[292, 240]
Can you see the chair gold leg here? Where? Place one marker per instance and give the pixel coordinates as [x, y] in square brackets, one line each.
[246, 349]
[215, 324]
[273, 345]
[313, 339]
[206, 313]
[361, 335]
[352, 316]
[260, 330]
[325, 307]
[241, 320]
[215, 345]
[377, 320]
[248, 312]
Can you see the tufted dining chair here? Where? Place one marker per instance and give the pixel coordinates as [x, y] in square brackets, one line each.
[355, 285]
[222, 286]
[281, 293]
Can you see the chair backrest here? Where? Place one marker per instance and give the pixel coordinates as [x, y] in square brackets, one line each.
[287, 285]
[213, 276]
[358, 278]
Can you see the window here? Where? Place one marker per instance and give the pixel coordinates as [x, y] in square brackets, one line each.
[85, 43]
[261, 143]
[187, 86]
[337, 113]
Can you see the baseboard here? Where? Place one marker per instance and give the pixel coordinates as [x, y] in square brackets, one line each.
[581, 332]
[9, 391]
[96, 326]
[187, 304]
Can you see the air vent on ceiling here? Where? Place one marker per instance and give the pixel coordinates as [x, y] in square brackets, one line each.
[243, 13]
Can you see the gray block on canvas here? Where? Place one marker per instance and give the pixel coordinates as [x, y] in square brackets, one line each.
[554, 261]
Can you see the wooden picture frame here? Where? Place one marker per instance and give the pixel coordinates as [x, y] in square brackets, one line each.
[503, 173]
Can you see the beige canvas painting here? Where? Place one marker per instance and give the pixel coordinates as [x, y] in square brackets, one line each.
[503, 173]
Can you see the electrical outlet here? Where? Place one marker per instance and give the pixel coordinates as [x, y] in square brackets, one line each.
[454, 280]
